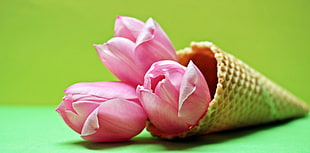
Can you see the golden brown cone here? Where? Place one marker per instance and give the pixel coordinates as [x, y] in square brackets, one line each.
[242, 96]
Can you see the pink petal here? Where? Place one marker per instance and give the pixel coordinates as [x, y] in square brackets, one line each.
[188, 85]
[114, 120]
[118, 56]
[194, 95]
[127, 27]
[102, 90]
[171, 71]
[160, 113]
[167, 93]
[91, 124]
[75, 116]
[88, 98]
[153, 45]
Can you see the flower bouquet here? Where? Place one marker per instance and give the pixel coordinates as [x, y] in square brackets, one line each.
[194, 91]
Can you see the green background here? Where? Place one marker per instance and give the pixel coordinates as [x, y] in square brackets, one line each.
[46, 45]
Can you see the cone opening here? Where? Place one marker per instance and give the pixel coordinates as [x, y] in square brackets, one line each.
[204, 59]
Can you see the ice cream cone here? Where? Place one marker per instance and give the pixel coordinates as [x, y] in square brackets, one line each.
[241, 96]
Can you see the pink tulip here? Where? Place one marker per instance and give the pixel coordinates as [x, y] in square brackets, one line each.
[103, 111]
[174, 97]
[135, 47]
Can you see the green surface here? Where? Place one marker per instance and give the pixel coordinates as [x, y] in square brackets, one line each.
[46, 45]
[40, 130]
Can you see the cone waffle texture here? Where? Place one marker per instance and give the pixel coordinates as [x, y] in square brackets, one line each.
[242, 96]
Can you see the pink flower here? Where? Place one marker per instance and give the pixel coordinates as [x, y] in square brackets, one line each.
[135, 47]
[174, 97]
[103, 111]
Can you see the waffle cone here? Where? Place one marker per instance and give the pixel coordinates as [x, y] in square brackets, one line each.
[242, 96]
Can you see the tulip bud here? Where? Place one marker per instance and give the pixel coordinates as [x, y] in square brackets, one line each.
[174, 97]
[135, 47]
[103, 111]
